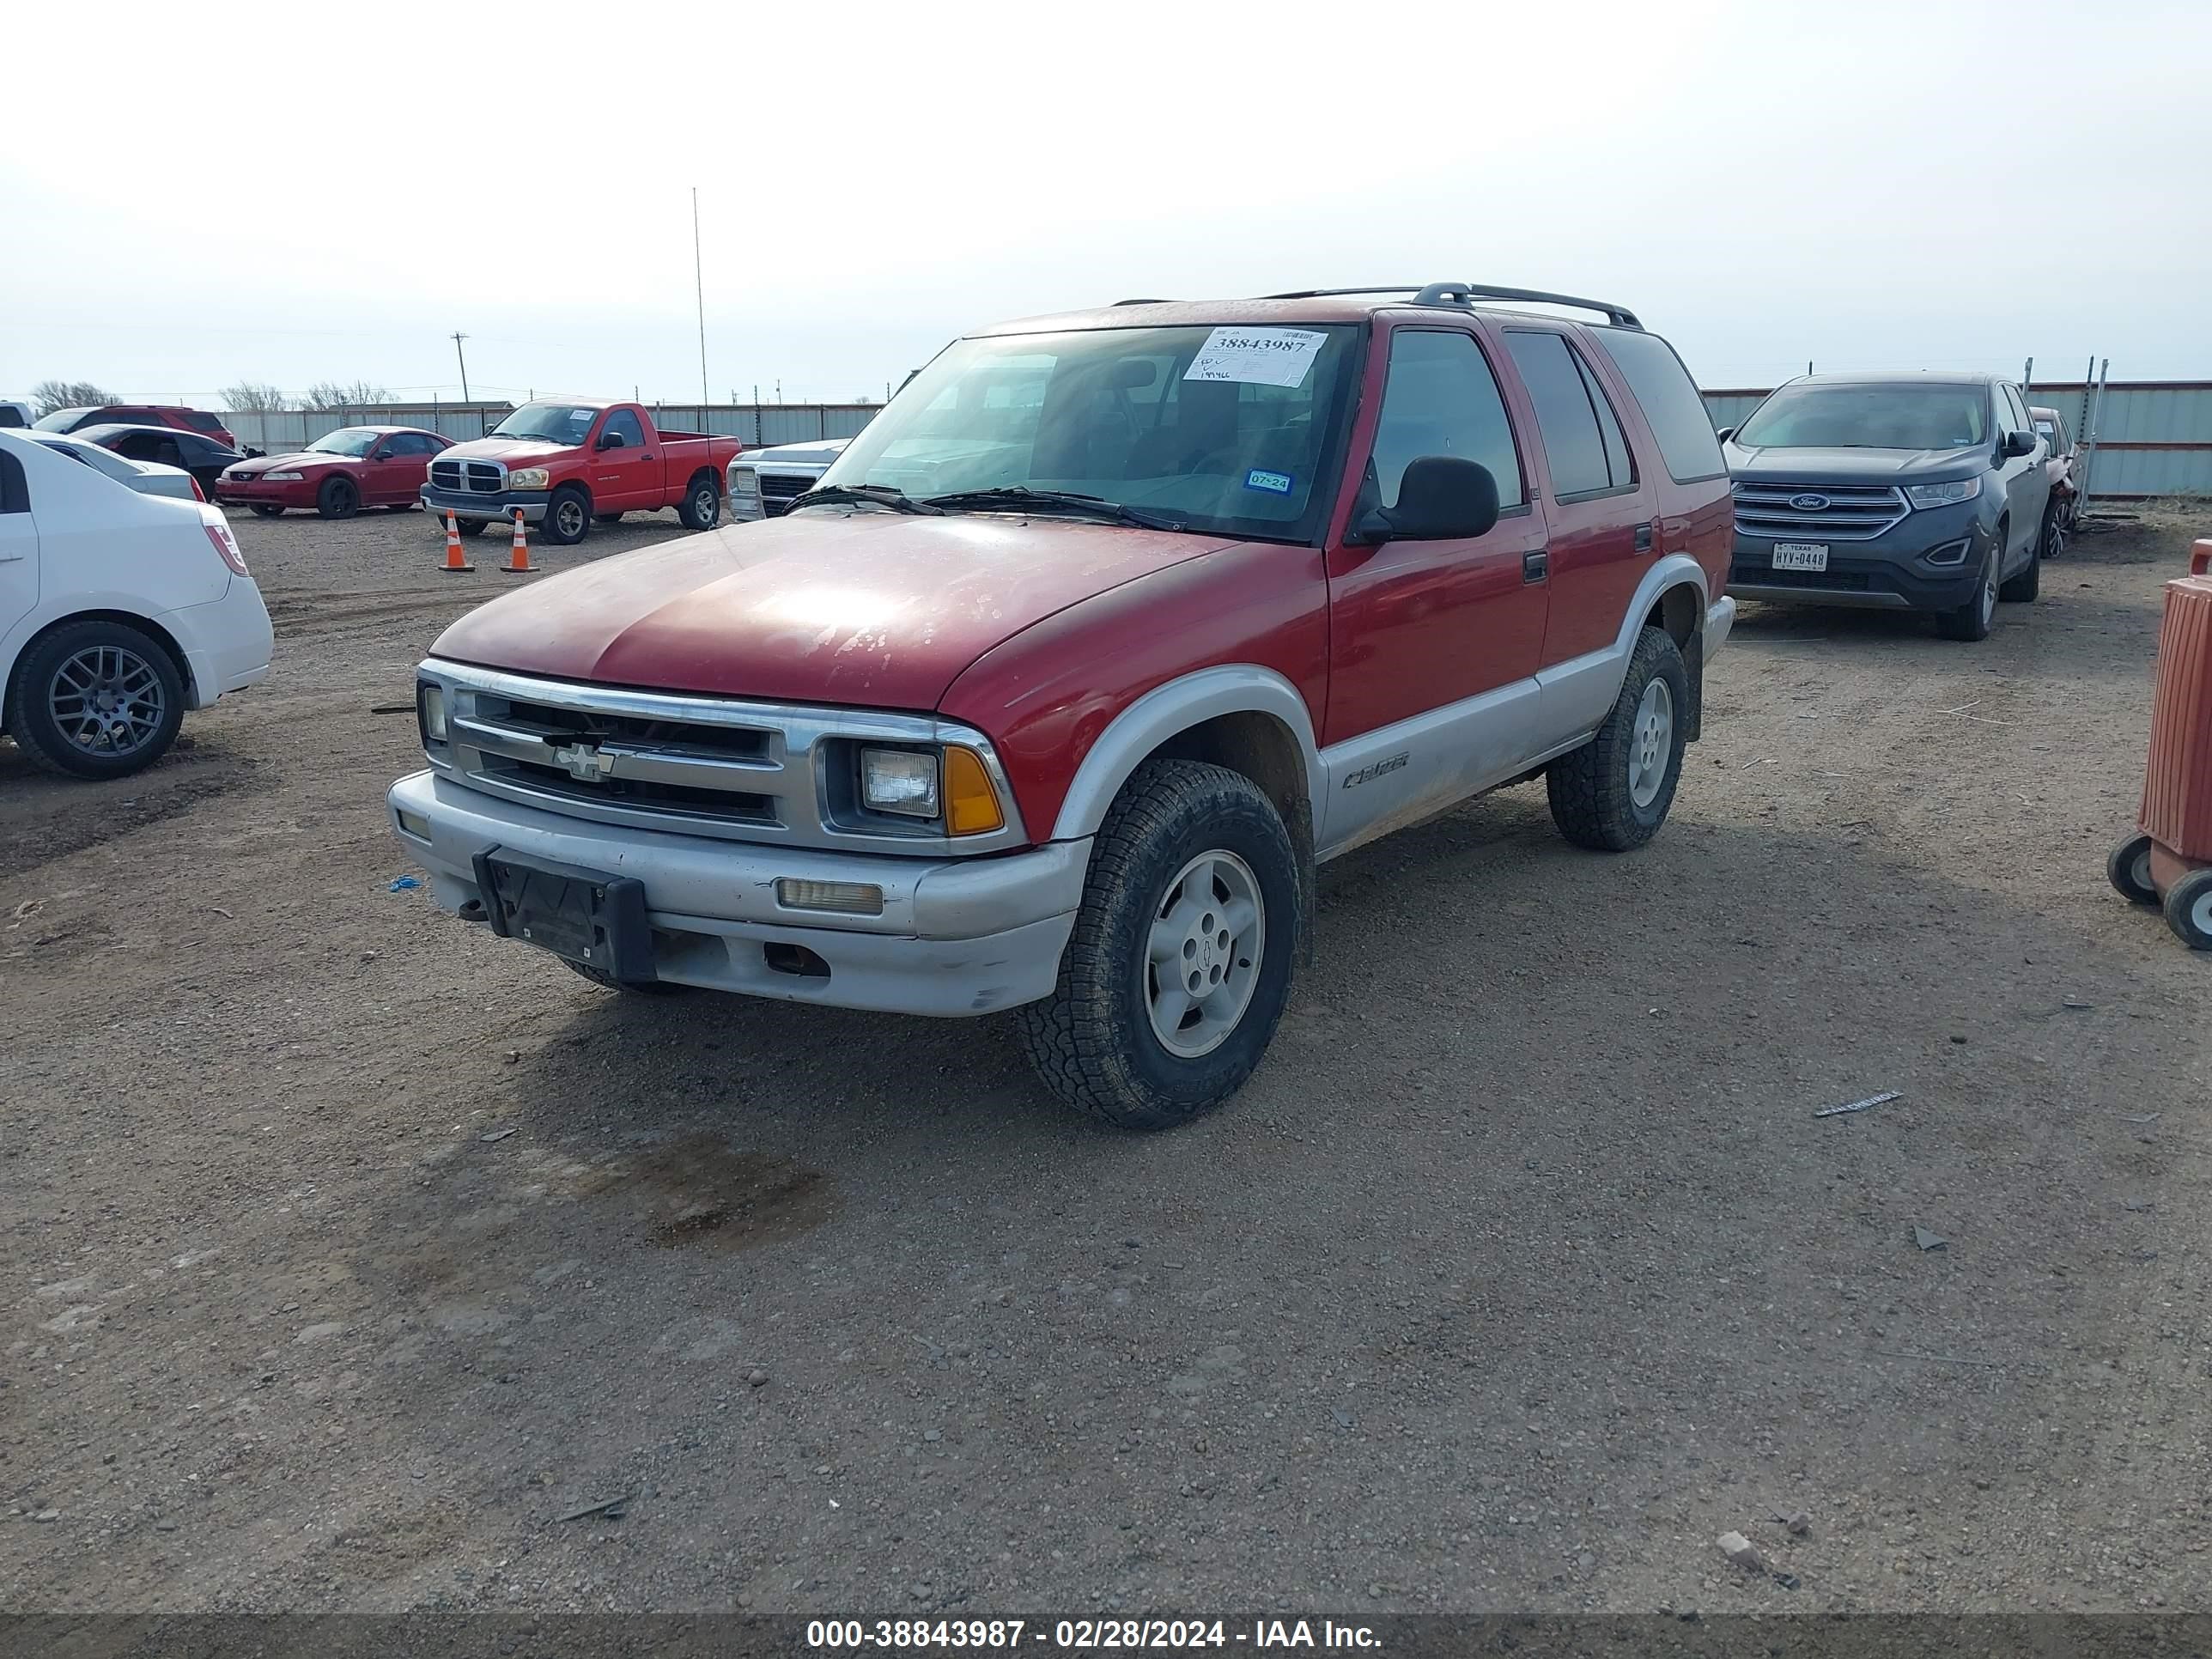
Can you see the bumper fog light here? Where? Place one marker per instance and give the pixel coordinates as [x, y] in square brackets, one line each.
[413, 824]
[844, 898]
[1951, 553]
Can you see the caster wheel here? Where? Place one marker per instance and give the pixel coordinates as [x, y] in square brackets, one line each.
[2189, 910]
[2128, 870]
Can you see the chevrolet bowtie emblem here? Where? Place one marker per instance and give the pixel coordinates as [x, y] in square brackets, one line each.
[583, 762]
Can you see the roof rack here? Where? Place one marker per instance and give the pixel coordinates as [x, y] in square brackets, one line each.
[1465, 294]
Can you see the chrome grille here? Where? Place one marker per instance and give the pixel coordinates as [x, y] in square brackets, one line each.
[778, 490]
[692, 765]
[1827, 512]
[479, 477]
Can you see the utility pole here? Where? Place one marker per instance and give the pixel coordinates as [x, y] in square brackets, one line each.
[458, 337]
[699, 287]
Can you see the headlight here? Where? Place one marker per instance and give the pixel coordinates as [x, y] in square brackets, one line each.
[744, 480]
[1944, 495]
[283, 477]
[430, 707]
[527, 477]
[899, 780]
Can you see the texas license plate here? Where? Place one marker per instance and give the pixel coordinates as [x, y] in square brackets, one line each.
[1801, 556]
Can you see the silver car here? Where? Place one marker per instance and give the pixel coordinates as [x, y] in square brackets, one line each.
[147, 477]
[764, 482]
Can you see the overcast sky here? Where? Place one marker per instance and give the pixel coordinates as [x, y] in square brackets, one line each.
[191, 198]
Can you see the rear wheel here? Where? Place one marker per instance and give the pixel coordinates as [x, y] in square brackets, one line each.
[1180, 964]
[96, 699]
[2128, 870]
[567, 517]
[1613, 793]
[1973, 621]
[2053, 543]
[702, 505]
[473, 526]
[2189, 910]
[606, 518]
[265, 510]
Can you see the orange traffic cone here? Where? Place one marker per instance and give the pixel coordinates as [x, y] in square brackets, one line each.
[518, 562]
[453, 559]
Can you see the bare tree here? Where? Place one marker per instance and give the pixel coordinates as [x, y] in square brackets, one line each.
[329, 394]
[50, 395]
[253, 397]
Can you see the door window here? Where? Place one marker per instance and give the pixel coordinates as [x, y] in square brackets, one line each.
[1583, 449]
[410, 443]
[623, 424]
[1441, 400]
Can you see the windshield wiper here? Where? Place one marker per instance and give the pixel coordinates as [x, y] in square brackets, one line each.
[860, 495]
[1018, 497]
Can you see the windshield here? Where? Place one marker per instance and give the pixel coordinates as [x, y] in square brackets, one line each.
[353, 440]
[560, 424]
[61, 420]
[1869, 416]
[1217, 430]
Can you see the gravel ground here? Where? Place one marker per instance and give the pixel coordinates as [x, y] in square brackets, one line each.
[347, 1249]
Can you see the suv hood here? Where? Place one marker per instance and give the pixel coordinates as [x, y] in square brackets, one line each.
[872, 608]
[501, 449]
[1851, 466]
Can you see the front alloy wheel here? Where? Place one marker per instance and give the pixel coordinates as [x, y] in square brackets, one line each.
[1209, 935]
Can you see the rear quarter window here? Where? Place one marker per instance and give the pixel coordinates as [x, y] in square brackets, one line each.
[1669, 399]
[200, 420]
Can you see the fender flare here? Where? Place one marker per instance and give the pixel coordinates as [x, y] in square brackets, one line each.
[1161, 712]
[1673, 571]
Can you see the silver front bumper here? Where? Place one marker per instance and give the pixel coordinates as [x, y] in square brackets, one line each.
[958, 937]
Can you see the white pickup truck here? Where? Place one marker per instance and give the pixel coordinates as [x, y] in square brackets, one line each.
[765, 482]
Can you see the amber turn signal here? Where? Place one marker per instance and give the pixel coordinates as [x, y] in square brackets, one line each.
[971, 805]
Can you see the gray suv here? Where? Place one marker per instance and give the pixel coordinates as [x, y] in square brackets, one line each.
[1905, 492]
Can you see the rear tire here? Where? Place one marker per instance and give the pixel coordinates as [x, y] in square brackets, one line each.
[1973, 621]
[606, 518]
[473, 526]
[2128, 870]
[264, 510]
[2189, 910]
[567, 517]
[701, 506]
[2055, 529]
[112, 684]
[338, 498]
[1612, 794]
[1192, 874]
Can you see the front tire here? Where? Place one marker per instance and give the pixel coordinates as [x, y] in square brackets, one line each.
[567, 517]
[1972, 622]
[702, 505]
[1180, 964]
[338, 498]
[2128, 869]
[2189, 910]
[96, 699]
[1613, 793]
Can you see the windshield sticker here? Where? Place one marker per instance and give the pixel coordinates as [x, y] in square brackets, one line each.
[1256, 356]
[1275, 483]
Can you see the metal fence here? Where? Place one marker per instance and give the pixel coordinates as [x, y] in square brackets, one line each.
[755, 424]
[2151, 437]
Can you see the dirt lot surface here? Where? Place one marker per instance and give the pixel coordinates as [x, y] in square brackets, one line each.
[346, 1248]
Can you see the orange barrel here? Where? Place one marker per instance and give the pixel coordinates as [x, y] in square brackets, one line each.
[2177, 804]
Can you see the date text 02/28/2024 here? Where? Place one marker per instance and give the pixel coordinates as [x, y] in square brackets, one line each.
[1086, 1635]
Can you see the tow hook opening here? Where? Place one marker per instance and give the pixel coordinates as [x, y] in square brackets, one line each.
[795, 960]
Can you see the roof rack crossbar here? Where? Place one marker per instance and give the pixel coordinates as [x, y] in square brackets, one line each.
[1460, 293]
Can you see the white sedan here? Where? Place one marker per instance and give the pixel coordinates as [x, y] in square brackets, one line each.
[119, 611]
[147, 477]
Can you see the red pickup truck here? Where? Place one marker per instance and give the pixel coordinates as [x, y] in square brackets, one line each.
[565, 466]
[1109, 631]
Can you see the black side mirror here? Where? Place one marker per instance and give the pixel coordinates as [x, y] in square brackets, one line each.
[2020, 443]
[613, 441]
[1441, 498]
[1725, 433]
